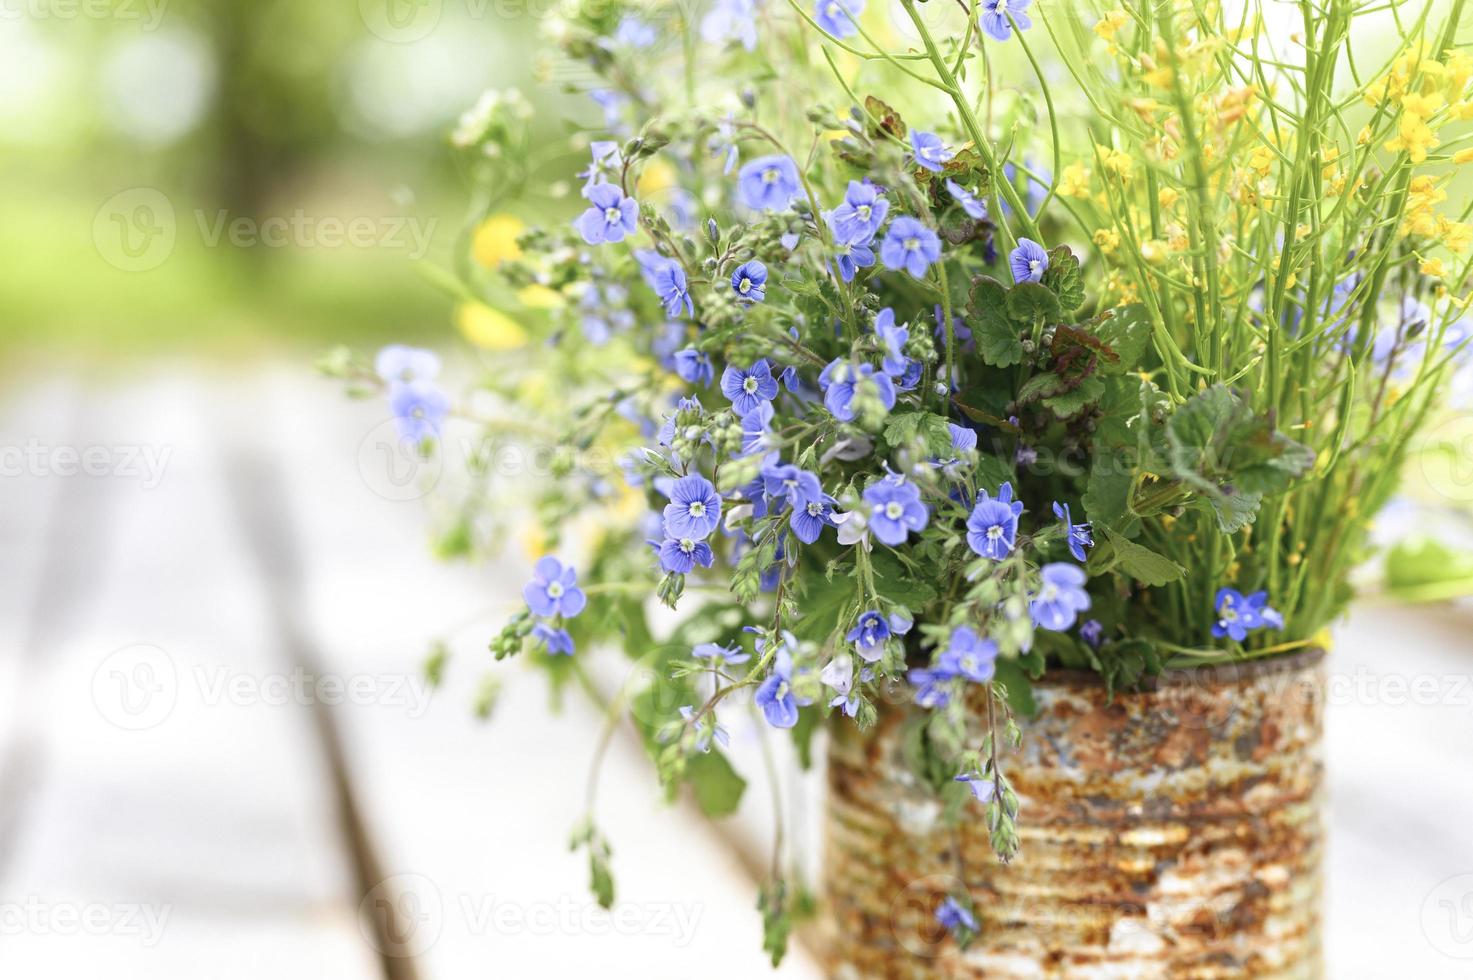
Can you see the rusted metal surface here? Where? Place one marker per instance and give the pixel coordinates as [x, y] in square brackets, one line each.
[1171, 833]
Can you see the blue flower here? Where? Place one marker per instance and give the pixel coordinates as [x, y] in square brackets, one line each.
[610, 218]
[703, 741]
[933, 687]
[838, 17]
[995, 17]
[1060, 598]
[894, 338]
[970, 204]
[983, 789]
[963, 439]
[680, 555]
[852, 257]
[732, 654]
[612, 103]
[746, 389]
[969, 656]
[731, 20]
[840, 380]
[775, 695]
[928, 150]
[810, 516]
[952, 916]
[910, 245]
[871, 631]
[756, 432]
[419, 409]
[694, 509]
[1079, 535]
[634, 33]
[895, 510]
[860, 214]
[992, 528]
[607, 161]
[397, 363]
[786, 482]
[1028, 261]
[750, 281]
[1237, 615]
[556, 639]
[769, 183]
[667, 279]
[838, 674]
[694, 367]
[1092, 632]
[554, 590]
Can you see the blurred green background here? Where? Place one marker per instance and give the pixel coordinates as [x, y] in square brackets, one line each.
[298, 150]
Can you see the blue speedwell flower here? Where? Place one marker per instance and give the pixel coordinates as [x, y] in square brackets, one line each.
[1238, 615]
[860, 214]
[1079, 535]
[554, 590]
[731, 20]
[810, 516]
[731, 654]
[756, 430]
[1061, 597]
[838, 16]
[962, 438]
[769, 183]
[983, 789]
[1092, 632]
[952, 916]
[396, 364]
[1028, 261]
[895, 510]
[871, 631]
[775, 695]
[933, 687]
[929, 151]
[968, 655]
[992, 529]
[838, 674]
[555, 638]
[750, 387]
[853, 256]
[694, 509]
[419, 409]
[634, 33]
[610, 217]
[749, 281]
[680, 555]
[607, 161]
[667, 279]
[910, 245]
[786, 482]
[975, 209]
[694, 367]
[840, 380]
[895, 364]
[994, 17]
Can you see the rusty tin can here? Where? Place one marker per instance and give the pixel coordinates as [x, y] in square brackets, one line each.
[1174, 832]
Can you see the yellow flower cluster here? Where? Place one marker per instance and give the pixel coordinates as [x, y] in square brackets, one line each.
[1429, 93]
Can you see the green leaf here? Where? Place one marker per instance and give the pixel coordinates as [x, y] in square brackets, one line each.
[1011, 675]
[1107, 492]
[777, 922]
[716, 785]
[1031, 302]
[1126, 333]
[1135, 560]
[993, 330]
[1070, 403]
[1043, 385]
[930, 428]
[1063, 277]
[895, 582]
[1422, 568]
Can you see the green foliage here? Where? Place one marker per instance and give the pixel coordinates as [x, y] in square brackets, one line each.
[1137, 561]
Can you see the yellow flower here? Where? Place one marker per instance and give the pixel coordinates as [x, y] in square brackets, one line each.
[1463, 111]
[1261, 160]
[1115, 161]
[1363, 137]
[1167, 196]
[539, 297]
[656, 176]
[1153, 250]
[1456, 235]
[1432, 267]
[1107, 239]
[1413, 136]
[495, 240]
[1111, 23]
[1424, 107]
[1463, 156]
[489, 329]
[1075, 181]
[1459, 70]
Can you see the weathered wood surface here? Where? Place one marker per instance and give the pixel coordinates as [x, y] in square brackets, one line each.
[265, 544]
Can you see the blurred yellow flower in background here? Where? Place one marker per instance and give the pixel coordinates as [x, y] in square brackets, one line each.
[489, 329]
[495, 240]
[539, 297]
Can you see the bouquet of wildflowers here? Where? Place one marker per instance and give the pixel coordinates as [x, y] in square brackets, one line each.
[934, 346]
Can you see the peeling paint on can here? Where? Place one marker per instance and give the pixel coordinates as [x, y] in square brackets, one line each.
[1174, 832]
